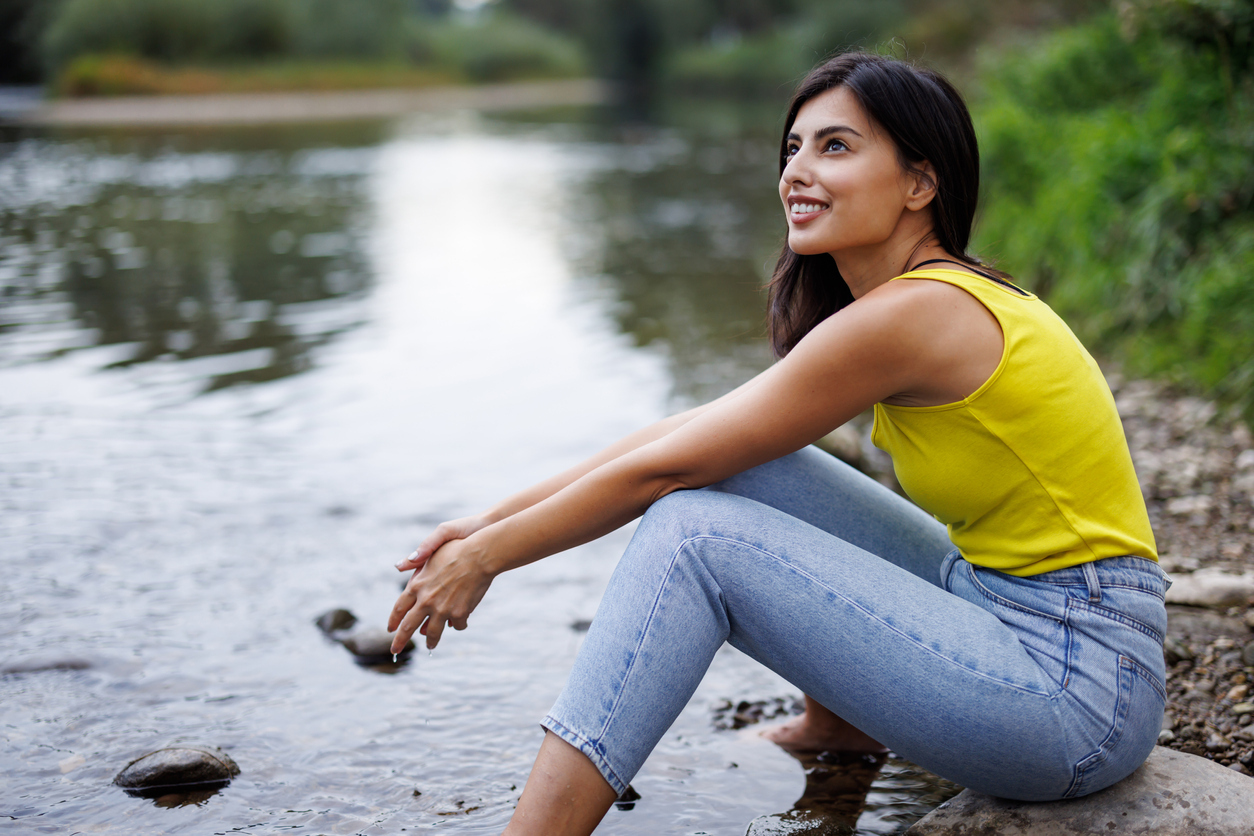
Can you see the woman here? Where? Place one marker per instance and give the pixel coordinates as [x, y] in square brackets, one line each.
[1025, 663]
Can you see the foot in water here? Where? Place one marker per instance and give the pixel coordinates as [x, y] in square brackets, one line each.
[819, 730]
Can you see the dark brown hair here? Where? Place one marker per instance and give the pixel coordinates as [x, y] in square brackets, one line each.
[927, 121]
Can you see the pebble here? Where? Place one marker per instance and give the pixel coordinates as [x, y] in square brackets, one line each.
[1247, 655]
[177, 767]
[1243, 708]
[1217, 742]
[1175, 651]
[335, 621]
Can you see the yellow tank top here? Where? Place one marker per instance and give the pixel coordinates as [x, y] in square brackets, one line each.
[1031, 472]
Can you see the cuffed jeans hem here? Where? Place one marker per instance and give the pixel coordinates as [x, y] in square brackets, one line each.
[589, 749]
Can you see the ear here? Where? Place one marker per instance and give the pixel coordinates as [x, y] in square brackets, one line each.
[922, 186]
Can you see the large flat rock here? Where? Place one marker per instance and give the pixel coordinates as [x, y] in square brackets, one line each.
[1172, 793]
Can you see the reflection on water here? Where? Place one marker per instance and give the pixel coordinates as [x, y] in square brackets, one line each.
[223, 259]
[244, 371]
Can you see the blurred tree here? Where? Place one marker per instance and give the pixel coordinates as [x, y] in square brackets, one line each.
[21, 22]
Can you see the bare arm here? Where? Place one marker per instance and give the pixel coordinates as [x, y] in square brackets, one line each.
[462, 528]
[871, 350]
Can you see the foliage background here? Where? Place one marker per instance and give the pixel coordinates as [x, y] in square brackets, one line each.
[1118, 137]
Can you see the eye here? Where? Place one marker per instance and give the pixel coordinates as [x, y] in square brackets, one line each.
[836, 145]
[791, 151]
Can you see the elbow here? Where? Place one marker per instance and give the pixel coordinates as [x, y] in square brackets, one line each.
[665, 485]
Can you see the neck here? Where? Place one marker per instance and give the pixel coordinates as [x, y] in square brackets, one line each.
[866, 268]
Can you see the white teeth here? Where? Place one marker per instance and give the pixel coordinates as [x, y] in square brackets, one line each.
[805, 208]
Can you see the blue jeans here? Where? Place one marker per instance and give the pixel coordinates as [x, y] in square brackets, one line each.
[1027, 688]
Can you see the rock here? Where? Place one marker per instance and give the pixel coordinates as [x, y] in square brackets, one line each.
[1166, 736]
[1172, 794]
[1247, 655]
[1217, 742]
[798, 823]
[335, 621]
[1211, 587]
[1175, 651]
[1249, 619]
[1243, 708]
[40, 665]
[177, 768]
[373, 646]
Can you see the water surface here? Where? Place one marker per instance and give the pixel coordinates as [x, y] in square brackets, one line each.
[244, 371]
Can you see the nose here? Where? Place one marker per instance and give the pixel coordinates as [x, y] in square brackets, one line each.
[796, 170]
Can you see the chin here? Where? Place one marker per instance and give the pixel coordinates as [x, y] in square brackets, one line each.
[806, 248]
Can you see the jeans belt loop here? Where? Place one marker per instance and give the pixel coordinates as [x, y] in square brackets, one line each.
[1090, 578]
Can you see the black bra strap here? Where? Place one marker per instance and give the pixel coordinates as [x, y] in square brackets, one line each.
[976, 270]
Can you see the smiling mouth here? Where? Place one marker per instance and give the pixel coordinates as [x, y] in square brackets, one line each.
[802, 211]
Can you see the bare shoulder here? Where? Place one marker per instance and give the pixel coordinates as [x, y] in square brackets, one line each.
[956, 343]
[912, 314]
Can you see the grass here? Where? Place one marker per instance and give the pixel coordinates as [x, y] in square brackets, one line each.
[123, 75]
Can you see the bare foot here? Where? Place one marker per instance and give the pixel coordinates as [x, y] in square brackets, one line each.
[819, 730]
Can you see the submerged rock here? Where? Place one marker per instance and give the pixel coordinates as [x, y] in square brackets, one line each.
[373, 646]
[335, 621]
[40, 665]
[1172, 794]
[177, 768]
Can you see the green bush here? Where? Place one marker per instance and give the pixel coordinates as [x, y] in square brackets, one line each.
[195, 31]
[1119, 171]
[780, 56]
[494, 48]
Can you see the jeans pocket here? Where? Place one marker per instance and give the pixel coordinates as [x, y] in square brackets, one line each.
[1133, 731]
[1025, 607]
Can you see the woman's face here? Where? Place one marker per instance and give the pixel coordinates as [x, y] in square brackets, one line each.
[843, 188]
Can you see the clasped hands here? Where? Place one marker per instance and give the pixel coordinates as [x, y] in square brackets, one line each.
[447, 584]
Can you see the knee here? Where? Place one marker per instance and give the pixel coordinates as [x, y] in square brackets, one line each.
[693, 516]
[676, 513]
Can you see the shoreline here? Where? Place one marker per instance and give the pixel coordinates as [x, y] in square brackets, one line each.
[303, 106]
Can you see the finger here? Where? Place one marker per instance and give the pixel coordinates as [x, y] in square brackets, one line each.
[435, 629]
[403, 605]
[406, 629]
[416, 560]
[457, 623]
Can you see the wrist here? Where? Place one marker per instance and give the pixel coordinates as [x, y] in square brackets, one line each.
[487, 559]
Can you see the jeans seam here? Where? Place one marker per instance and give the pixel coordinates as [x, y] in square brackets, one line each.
[1006, 602]
[1120, 618]
[1097, 758]
[593, 751]
[851, 602]
[644, 631]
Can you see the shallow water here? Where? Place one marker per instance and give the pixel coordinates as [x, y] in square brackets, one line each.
[243, 372]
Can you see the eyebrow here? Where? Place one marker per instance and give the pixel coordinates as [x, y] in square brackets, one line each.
[823, 133]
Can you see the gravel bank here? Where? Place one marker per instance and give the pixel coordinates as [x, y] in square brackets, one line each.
[1196, 466]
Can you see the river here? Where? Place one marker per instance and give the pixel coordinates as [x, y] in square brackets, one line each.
[244, 370]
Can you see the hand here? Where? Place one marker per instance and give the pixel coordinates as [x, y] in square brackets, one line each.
[444, 532]
[447, 588]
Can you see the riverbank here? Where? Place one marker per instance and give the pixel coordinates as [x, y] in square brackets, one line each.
[272, 108]
[1196, 466]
